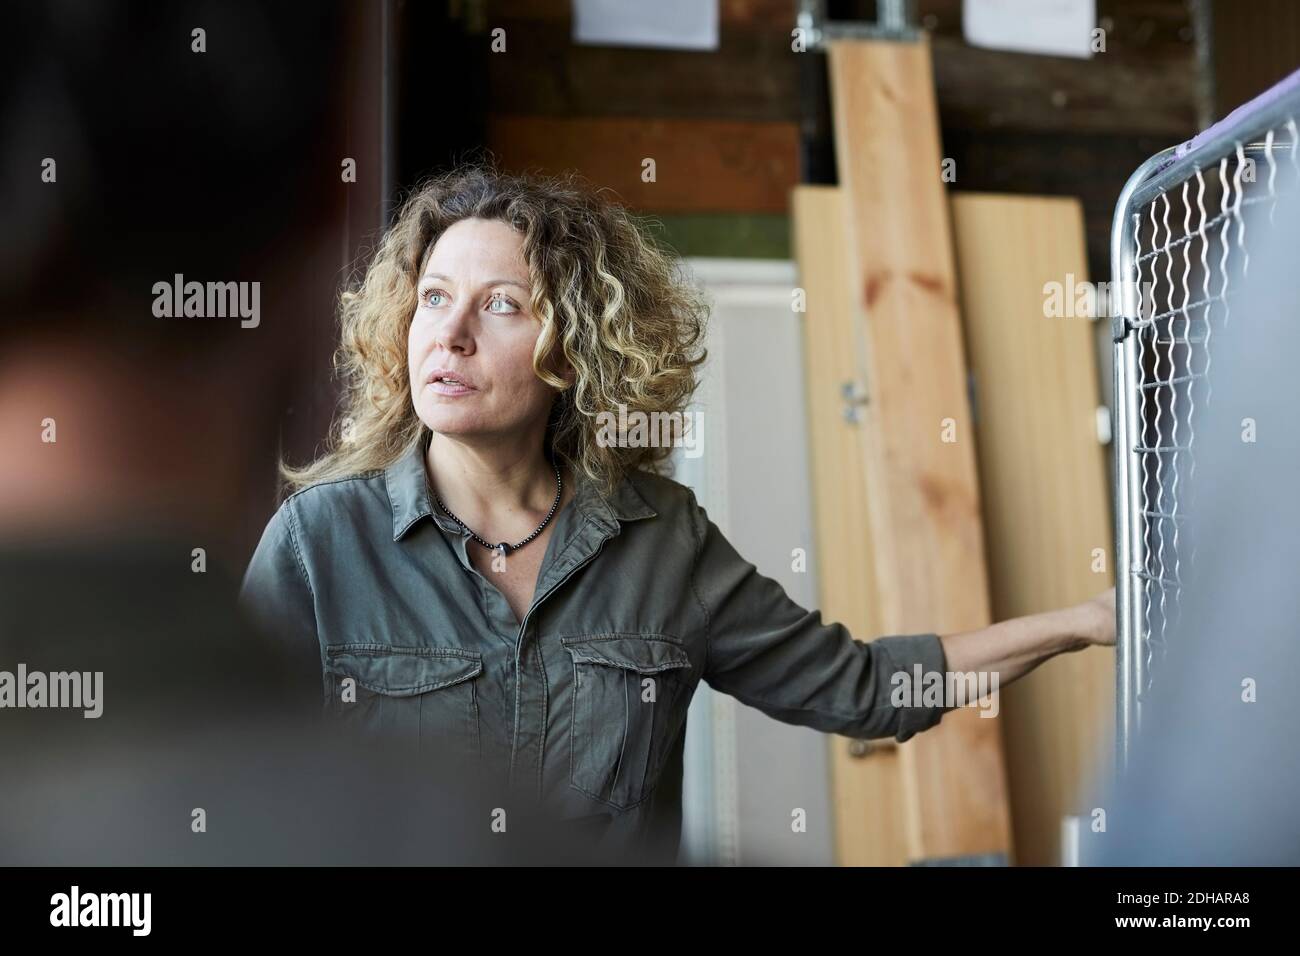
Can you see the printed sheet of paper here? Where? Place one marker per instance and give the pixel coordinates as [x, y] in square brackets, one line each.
[1052, 27]
[678, 24]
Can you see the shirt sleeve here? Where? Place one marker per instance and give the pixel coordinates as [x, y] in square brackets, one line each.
[276, 594]
[767, 651]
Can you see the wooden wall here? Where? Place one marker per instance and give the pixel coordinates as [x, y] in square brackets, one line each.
[1255, 45]
[733, 129]
[722, 126]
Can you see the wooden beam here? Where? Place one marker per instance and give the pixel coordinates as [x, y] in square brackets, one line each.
[1046, 499]
[753, 75]
[730, 12]
[924, 511]
[700, 165]
[866, 787]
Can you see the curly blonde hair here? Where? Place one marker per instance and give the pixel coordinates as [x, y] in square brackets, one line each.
[612, 303]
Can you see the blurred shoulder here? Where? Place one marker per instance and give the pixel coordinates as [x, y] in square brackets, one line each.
[337, 502]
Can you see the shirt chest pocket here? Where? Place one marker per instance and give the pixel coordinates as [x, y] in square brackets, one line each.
[630, 694]
[424, 698]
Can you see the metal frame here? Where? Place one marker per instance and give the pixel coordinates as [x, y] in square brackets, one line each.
[896, 22]
[1237, 135]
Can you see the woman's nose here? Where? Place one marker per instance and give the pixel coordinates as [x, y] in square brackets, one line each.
[455, 331]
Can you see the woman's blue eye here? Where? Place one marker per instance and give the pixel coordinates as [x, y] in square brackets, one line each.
[434, 297]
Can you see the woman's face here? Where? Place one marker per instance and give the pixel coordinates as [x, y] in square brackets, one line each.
[470, 349]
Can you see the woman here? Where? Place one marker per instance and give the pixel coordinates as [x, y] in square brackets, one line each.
[478, 567]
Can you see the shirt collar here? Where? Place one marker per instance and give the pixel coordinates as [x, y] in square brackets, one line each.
[411, 499]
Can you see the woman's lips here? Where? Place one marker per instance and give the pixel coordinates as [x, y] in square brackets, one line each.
[451, 388]
[446, 382]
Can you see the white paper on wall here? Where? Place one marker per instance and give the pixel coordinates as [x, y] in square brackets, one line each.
[1052, 27]
[678, 24]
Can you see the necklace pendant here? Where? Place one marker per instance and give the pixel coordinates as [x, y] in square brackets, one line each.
[501, 549]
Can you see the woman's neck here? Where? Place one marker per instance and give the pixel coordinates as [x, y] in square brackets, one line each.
[495, 488]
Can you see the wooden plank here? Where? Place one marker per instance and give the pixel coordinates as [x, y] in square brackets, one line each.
[866, 791]
[1255, 45]
[924, 501]
[1144, 82]
[982, 89]
[730, 12]
[753, 75]
[1043, 483]
[700, 165]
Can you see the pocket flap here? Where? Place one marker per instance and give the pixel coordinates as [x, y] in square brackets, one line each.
[646, 655]
[402, 671]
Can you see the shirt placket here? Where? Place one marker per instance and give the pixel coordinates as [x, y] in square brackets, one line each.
[531, 695]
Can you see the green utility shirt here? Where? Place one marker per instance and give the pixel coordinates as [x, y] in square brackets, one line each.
[583, 704]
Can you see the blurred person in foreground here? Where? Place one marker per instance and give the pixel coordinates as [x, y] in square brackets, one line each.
[142, 721]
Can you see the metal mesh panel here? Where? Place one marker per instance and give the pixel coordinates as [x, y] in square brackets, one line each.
[1185, 250]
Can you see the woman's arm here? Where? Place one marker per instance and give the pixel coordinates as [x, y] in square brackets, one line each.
[1013, 648]
[768, 652]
